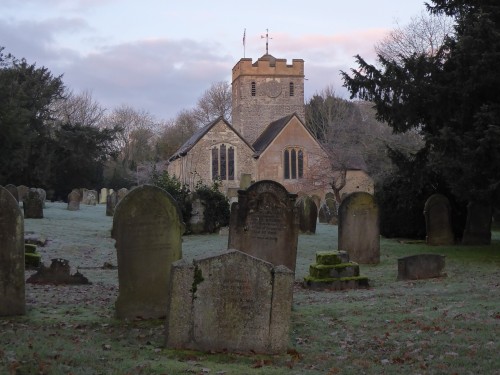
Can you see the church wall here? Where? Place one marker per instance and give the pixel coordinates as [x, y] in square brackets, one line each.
[197, 164]
[270, 162]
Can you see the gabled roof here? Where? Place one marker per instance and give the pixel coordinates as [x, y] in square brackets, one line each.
[195, 138]
[272, 131]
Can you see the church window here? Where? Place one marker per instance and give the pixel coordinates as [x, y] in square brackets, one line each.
[292, 89]
[293, 163]
[223, 163]
[254, 90]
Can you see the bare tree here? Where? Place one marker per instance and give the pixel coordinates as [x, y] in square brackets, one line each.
[425, 34]
[79, 109]
[215, 102]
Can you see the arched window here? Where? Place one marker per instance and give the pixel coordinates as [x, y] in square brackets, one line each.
[223, 162]
[292, 89]
[254, 90]
[293, 163]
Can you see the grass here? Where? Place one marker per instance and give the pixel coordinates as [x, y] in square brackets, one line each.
[436, 326]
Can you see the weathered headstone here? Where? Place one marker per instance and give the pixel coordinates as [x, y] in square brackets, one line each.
[307, 213]
[12, 285]
[103, 196]
[231, 301]
[33, 205]
[90, 198]
[359, 232]
[437, 214]
[317, 200]
[264, 223]
[74, 200]
[83, 194]
[478, 224]
[121, 193]
[43, 195]
[13, 190]
[328, 212]
[147, 229]
[111, 202]
[197, 220]
[421, 266]
[22, 191]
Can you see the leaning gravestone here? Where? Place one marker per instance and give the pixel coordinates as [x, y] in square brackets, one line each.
[359, 232]
[74, 200]
[264, 223]
[33, 205]
[437, 214]
[478, 224]
[307, 213]
[230, 301]
[147, 230]
[13, 190]
[12, 285]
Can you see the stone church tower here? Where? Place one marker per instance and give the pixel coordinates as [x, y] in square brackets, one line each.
[265, 91]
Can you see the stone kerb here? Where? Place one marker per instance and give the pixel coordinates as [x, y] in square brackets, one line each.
[230, 301]
[12, 284]
[358, 228]
[264, 223]
[437, 212]
[147, 229]
[421, 266]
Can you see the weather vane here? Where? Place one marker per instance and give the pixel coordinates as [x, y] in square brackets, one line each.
[267, 40]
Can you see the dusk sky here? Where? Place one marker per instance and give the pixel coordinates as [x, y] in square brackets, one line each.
[161, 56]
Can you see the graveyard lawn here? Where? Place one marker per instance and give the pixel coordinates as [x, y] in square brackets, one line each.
[435, 326]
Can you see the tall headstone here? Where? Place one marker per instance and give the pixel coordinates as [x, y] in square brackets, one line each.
[478, 224]
[22, 191]
[147, 229]
[264, 223]
[74, 200]
[328, 212]
[103, 196]
[307, 213]
[359, 231]
[12, 285]
[437, 212]
[111, 202]
[13, 190]
[230, 301]
[33, 205]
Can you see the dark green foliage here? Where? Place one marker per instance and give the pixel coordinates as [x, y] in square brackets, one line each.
[452, 98]
[216, 214]
[177, 190]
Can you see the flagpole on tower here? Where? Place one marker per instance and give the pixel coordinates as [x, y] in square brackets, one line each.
[244, 37]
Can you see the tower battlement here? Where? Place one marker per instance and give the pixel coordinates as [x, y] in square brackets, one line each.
[268, 65]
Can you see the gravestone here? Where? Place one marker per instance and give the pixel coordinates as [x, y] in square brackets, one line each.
[90, 198]
[264, 223]
[111, 202]
[43, 195]
[197, 220]
[74, 200]
[33, 205]
[121, 193]
[328, 212]
[437, 214]
[57, 274]
[230, 301]
[359, 232]
[421, 266]
[317, 200]
[103, 196]
[12, 285]
[245, 180]
[13, 190]
[22, 191]
[307, 214]
[478, 224]
[83, 194]
[147, 229]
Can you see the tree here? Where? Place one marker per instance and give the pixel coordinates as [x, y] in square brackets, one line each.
[451, 97]
[79, 109]
[27, 95]
[214, 103]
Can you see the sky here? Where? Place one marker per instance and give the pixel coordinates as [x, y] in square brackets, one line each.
[160, 56]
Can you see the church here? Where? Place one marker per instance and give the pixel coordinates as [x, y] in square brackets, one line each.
[267, 139]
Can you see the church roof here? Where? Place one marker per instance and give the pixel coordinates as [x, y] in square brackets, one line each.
[270, 133]
[194, 139]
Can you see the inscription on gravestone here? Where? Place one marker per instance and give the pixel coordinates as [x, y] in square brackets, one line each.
[264, 223]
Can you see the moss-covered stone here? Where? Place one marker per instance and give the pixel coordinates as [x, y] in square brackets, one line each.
[331, 283]
[328, 257]
[29, 248]
[32, 260]
[336, 270]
